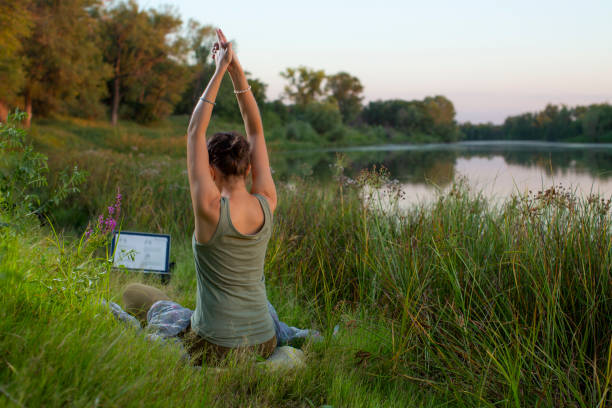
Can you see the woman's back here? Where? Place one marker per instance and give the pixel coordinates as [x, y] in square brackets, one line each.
[231, 302]
[247, 214]
[231, 306]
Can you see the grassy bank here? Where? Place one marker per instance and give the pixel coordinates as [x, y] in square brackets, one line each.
[167, 136]
[458, 303]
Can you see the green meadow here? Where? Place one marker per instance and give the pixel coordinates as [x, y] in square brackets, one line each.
[460, 302]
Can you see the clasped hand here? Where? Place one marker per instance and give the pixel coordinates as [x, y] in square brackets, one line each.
[222, 52]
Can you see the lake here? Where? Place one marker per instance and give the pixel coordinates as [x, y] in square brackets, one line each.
[496, 168]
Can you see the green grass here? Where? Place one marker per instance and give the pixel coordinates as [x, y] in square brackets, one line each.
[166, 137]
[457, 303]
[60, 348]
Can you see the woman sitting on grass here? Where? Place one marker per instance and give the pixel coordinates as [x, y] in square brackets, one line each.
[229, 250]
[232, 230]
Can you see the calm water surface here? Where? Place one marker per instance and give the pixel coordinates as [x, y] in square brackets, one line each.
[498, 169]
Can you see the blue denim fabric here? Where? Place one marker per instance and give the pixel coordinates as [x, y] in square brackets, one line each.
[166, 319]
[122, 315]
[288, 334]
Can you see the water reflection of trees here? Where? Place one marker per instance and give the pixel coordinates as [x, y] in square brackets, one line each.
[596, 163]
[438, 166]
[431, 166]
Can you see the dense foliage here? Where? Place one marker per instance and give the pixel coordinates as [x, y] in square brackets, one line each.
[591, 123]
[431, 116]
[25, 185]
[92, 59]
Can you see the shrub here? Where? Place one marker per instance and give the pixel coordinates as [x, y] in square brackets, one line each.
[271, 119]
[337, 134]
[301, 131]
[24, 187]
[323, 117]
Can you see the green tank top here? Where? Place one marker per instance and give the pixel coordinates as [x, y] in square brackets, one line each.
[231, 305]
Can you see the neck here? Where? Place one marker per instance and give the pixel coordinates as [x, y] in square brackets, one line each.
[232, 187]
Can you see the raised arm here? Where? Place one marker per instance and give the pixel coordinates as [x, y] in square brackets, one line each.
[205, 195]
[262, 175]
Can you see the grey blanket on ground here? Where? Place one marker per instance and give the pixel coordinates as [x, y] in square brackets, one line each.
[166, 319]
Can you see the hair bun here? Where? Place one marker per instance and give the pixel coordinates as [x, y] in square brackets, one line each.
[230, 153]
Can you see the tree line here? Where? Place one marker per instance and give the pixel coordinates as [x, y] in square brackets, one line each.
[84, 58]
[95, 59]
[591, 123]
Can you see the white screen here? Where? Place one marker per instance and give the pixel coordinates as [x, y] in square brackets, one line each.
[140, 252]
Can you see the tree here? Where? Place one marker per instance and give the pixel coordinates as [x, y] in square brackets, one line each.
[200, 39]
[63, 64]
[597, 123]
[346, 90]
[520, 127]
[442, 113]
[323, 117]
[407, 116]
[482, 131]
[431, 117]
[412, 117]
[15, 27]
[383, 113]
[144, 50]
[156, 95]
[305, 85]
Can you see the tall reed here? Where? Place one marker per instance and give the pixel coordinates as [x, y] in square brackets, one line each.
[502, 303]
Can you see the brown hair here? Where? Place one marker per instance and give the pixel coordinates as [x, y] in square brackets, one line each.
[230, 153]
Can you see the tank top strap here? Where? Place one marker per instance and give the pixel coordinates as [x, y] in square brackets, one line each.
[266, 208]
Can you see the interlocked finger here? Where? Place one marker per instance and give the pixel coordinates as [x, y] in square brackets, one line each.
[222, 38]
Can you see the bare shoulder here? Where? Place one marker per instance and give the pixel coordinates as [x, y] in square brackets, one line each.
[207, 219]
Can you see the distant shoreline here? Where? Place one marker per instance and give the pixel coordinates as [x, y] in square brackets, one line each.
[455, 145]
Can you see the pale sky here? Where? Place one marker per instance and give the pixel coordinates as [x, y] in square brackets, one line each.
[491, 58]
